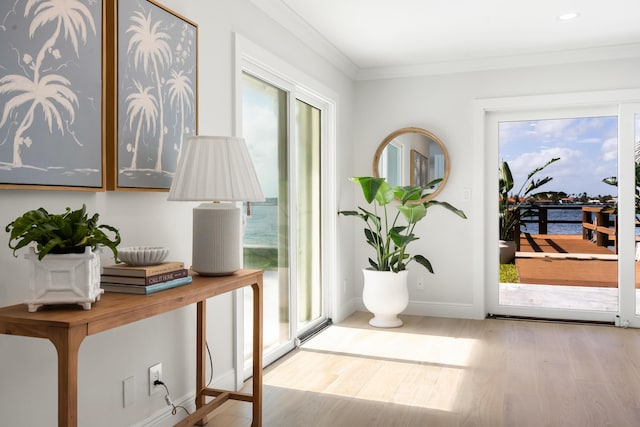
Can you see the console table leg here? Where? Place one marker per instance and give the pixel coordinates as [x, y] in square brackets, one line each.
[201, 345]
[67, 342]
[257, 353]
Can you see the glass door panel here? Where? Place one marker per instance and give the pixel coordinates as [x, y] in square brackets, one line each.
[628, 239]
[266, 238]
[308, 256]
[565, 233]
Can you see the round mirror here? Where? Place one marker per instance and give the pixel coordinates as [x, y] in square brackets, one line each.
[412, 156]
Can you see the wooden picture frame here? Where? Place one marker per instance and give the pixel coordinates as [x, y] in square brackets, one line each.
[419, 168]
[52, 96]
[154, 96]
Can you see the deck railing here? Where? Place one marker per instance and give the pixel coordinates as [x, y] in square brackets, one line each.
[542, 216]
[598, 222]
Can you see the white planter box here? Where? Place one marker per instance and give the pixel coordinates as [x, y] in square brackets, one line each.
[64, 279]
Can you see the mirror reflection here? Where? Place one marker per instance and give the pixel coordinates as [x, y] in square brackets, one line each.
[412, 156]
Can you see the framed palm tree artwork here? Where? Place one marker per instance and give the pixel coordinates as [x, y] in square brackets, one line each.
[52, 86]
[156, 93]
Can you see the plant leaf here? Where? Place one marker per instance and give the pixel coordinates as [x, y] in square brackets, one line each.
[413, 213]
[370, 186]
[423, 262]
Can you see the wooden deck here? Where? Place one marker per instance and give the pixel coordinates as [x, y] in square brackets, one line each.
[560, 244]
[567, 260]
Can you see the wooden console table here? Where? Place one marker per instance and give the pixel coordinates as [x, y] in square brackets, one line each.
[66, 327]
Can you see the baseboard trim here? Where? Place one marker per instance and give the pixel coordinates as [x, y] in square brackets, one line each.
[436, 309]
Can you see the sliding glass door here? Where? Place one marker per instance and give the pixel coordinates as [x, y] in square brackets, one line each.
[283, 130]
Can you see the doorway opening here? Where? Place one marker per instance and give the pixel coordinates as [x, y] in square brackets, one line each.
[558, 205]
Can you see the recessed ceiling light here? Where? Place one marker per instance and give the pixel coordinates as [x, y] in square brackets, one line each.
[568, 16]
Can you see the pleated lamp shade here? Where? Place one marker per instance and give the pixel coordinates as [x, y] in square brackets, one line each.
[216, 168]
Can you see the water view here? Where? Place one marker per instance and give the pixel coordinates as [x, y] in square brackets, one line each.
[562, 213]
[262, 225]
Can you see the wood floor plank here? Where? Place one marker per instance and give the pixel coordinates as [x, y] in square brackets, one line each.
[453, 373]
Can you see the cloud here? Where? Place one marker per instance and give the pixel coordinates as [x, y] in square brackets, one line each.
[609, 150]
[587, 148]
[586, 130]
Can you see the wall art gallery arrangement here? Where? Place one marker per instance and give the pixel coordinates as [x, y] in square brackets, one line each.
[94, 95]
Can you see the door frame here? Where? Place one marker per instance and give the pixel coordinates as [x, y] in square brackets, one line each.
[251, 58]
[485, 239]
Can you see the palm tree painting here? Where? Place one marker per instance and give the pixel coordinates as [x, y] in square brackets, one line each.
[142, 108]
[51, 93]
[156, 92]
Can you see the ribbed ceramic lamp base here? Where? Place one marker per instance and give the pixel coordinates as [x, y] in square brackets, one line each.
[217, 239]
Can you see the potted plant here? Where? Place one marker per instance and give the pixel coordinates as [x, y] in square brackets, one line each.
[385, 291]
[510, 206]
[63, 255]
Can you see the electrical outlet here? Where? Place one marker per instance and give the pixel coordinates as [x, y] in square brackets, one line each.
[420, 285]
[155, 374]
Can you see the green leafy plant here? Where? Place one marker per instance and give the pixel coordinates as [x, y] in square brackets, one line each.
[69, 232]
[613, 180]
[509, 273]
[383, 231]
[510, 204]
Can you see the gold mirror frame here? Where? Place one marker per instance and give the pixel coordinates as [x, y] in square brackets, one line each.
[415, 156]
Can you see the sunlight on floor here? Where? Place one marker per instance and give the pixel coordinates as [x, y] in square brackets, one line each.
[410, 369]
[393, 344]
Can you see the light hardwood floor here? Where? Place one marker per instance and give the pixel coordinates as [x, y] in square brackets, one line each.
[453, 372]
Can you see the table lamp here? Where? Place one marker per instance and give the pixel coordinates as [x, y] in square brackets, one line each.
[216, 169]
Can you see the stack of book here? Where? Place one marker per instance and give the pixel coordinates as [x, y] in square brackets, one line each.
[144, 279]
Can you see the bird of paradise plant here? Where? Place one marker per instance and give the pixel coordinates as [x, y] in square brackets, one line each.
[510, 204]
[383, 232]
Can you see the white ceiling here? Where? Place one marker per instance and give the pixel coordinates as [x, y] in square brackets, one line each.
[384, 34]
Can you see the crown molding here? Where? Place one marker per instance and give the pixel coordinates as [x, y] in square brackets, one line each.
[292, 22]
[605, 53]
[288, 19]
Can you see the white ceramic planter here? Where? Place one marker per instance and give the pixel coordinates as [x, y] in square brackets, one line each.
[385, 294]
[64, 279]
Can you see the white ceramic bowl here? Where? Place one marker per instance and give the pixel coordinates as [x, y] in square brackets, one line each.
[143, 255]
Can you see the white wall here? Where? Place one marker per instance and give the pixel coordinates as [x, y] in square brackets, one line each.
[28, 368]
[443, 104]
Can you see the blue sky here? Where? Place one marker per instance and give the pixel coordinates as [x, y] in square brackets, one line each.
[262, 102]
[587, 148]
